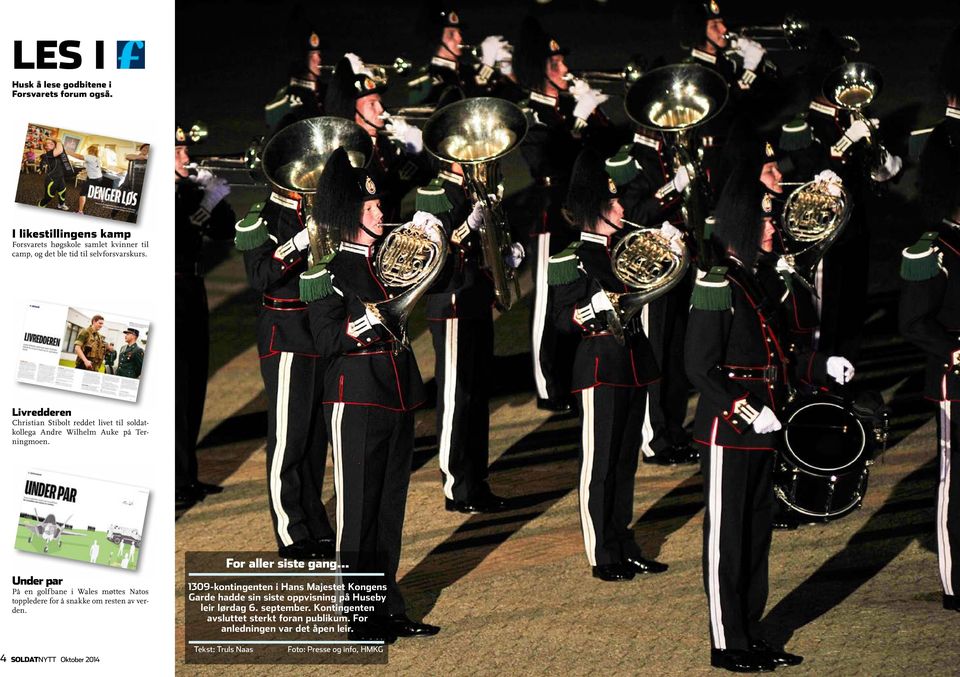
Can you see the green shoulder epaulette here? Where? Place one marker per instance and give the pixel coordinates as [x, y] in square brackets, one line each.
[419, 88]
[921, 261]
[317, 283]
[251, 230]
[565, 266]
[622, 167]
[712, 291]
[432, 198]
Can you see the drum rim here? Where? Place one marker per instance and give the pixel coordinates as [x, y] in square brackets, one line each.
[815, 470]
[841, 512]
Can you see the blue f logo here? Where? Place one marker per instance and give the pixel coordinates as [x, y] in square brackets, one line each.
[130, 53]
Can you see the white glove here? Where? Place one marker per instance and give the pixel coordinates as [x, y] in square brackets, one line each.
[587, 99]
[892, 164]
[406, 134]
[506, 60]
[766, 421]
[492, 50]
[671, 234]
[681, 179]
[751, 52]
[840, 369]
[858, 130]
[356, 63]
[372, 318]
[203, 177]
[514, 257]
[215, 190]
[302, 239]
[829, 182]
[600, 302]
[475, 219]
[783, 266]
[423, 219]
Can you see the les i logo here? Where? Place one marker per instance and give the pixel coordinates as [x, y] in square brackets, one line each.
[131, 53]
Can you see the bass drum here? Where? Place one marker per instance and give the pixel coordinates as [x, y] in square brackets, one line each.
[822, 469]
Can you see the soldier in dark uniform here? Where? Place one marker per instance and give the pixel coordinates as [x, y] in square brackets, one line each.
[460, 316]
[201, 212]
[56, 167]
[302, 97]
[131, 355]
[930, 311]
[608, 377]
[110, 359]
[398, 163]
[90, 346]
[274, 243]
[559, 125]
[370, 392]
[736, 346]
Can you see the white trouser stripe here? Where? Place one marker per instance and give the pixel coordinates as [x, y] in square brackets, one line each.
[586, 472]
[818, 302]
[276, 464]
[713, 556]
[646, 431]
[540, 311]
[943, 500]
[336, 419]
[449, 403]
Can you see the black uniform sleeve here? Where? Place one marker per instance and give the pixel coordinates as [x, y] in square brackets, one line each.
[920, 301]
[339, 325]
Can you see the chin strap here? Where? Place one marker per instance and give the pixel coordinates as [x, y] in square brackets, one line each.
[611, 223]
[362, 117]
[369, 232]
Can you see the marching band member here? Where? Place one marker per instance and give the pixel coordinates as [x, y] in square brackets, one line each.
[609, 378]
[274, 243]
[460, 317]
[397, 164]
[370, 393]
[930, 311]
[736, 350]
[302, 97]
[559, 121]
[201, 212]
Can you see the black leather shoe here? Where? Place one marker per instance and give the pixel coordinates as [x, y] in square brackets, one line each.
[402, 626]
[306, 550]
[951, 602]
[776, 656]
[372, 631]
[484, 503]
[663, 457]
[188, 496]
[642, 565]
[326, 548]
[686, 454]
[208, 488]
[786, 520]
[613, 572]
[738, 660]
[556, 406]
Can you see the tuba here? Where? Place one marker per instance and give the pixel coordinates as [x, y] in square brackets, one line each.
[853, 86]
[813, 217]
[294, 159]
[476, 133]
[644, 261]
[673, 101]
[410, 258]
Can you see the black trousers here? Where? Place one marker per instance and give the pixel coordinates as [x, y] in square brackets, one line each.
[372, 455]
[665, 324]
[192, 353]
[56, 189]
[464, 349]
[948, 498]
[552, 350]
[737, 530]
[610, 422]
[296, 446]
[842, 280]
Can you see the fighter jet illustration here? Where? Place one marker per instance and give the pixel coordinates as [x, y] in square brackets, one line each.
[49, 530]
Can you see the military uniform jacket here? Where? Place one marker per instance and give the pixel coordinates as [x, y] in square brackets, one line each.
[92, 344]
[299, 99]
[273, 264]
[575, 275]
[131, 361]
[464, 290]
[363, 368]
[110, 357]
[650, 197]
[738, 354]
[930, 307]
[193, 223]
[395, 172]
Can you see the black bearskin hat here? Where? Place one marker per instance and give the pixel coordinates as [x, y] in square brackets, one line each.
[739, 215]
[590, 191]
[433, 18]
[346, 87]
[690, 20]
[534, 47]
[341, 192]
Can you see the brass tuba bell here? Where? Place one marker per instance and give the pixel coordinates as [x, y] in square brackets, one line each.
[294, 159]
[476, 133]
[853, 86]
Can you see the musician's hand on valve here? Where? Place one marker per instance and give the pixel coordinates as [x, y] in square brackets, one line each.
[215, 190]
[302, 239]
[475, 218]
[766, 422]
[840, 369]
[372, 318]
[587, 100]
[892, 164]
[203, 176]
[600, 302]
[751, 51]
[514, 256]
[681, 179]
[857, 130]
[410, 137]
[493, 49]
